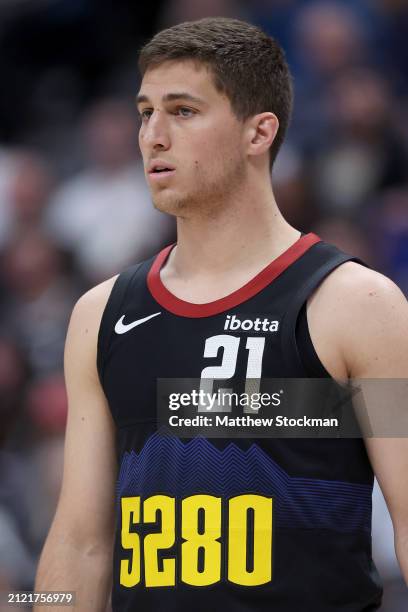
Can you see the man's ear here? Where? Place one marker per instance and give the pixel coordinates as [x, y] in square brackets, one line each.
[262, 130]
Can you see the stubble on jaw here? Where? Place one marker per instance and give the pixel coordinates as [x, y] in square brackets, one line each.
[210, 195]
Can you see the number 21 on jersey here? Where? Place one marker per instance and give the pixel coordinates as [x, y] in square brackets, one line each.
[230, 345]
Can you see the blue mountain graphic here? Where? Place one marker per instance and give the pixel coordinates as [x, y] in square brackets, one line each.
[169, 466]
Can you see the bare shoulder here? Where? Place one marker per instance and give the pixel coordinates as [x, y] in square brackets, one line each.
[354, 274]
[82, 334]
[354, 286]
[359, 294]
[362, 313]
[92, 303]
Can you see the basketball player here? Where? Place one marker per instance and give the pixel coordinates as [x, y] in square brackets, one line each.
[199, 523]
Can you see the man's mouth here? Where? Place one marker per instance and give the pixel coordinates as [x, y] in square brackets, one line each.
[160, 167]
[160, 171]
[161, 174]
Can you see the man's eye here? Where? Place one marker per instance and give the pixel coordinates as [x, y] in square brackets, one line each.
[185, 112]
[145, 114]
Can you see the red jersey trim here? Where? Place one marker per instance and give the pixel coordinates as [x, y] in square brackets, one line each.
[187, 309]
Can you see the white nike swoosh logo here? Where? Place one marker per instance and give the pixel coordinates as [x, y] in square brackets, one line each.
[122, 328]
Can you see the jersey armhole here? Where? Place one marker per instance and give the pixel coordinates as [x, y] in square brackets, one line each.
[295, 330]
[310, 359]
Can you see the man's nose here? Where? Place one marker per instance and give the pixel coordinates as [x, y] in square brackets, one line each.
[156, 134]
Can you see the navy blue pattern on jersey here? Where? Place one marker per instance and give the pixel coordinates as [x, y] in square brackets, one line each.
[180, 468]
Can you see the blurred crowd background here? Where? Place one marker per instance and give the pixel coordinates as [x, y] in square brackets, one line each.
[75, 210]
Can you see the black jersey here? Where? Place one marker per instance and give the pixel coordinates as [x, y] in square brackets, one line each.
[242, 524]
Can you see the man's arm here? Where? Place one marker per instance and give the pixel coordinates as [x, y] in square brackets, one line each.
[373, 336]
[77, 555]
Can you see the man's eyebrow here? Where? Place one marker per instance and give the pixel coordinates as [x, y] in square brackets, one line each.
[170, 97]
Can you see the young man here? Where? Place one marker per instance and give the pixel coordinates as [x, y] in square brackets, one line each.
[205, 523]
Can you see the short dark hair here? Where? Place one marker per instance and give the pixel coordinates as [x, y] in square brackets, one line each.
[247, 65]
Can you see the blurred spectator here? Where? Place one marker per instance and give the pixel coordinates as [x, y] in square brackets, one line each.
[280, 18]
[13, 378]
[47, 405]
[39, 302]
[104, 215]
[46, 410]
[17, 565]
[328, 38]
[26, 193]
[365, 152]
[388, 226]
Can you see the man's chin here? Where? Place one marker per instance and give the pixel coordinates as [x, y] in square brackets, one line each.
[169, 204]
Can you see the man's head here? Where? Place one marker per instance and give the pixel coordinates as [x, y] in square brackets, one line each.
[236, 104]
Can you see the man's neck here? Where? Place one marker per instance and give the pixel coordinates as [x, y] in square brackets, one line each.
[245, 235]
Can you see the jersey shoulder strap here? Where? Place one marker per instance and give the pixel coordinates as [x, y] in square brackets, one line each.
[113, 308]
[327, 257]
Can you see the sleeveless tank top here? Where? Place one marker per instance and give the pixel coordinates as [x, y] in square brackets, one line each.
[219, 523]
